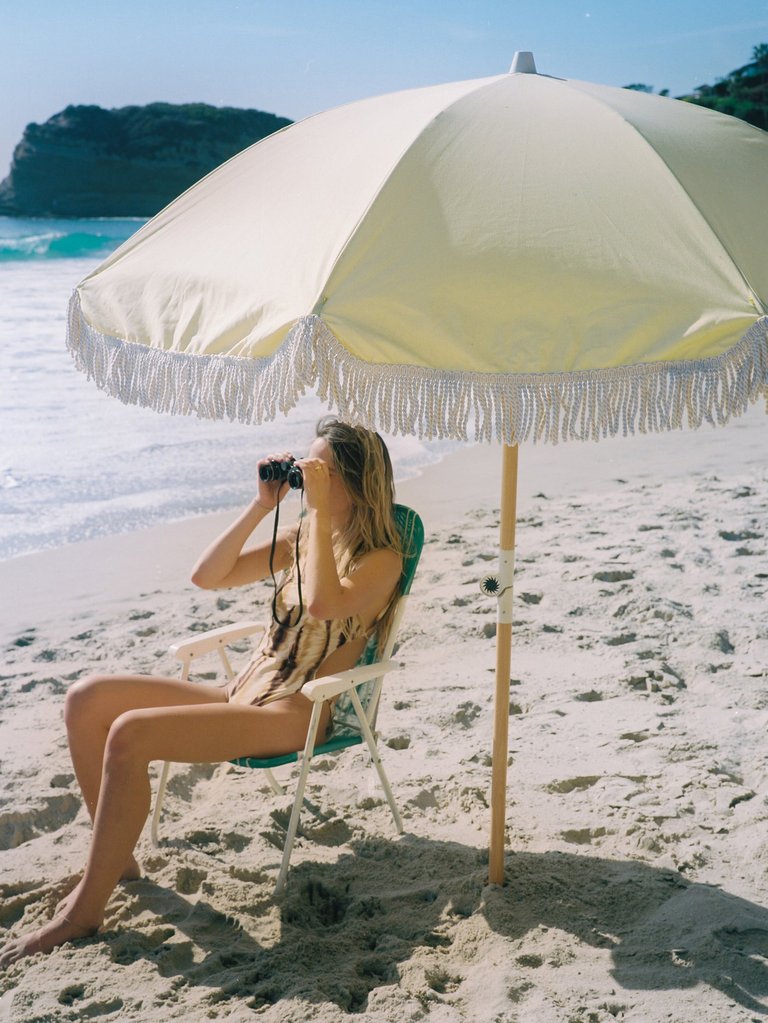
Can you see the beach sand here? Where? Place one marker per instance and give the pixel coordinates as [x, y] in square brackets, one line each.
[638, 783]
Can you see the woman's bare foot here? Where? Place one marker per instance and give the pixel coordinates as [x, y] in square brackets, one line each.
[54, 933]
[131, 873]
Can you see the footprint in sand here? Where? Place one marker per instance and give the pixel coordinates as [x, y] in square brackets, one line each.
[722, 642]
[89, 1010]
[14, 899]
[102, 1007]
[734, 537]
[466, 713]
[188, 880]
[211, 840]
[579, 784]
[26, 639]
[314, 904]
[442, 982]
[330, 833]
[583, 836]
[620, 640]
[425, 799]
[182, 782]
[17, 899]
[637, 683]
[46, 655]
[57, 687]
[69, 995]
[635, 736]
[533, 962]
[614, 576]
[398, 742]
[591, 696]
[20, 826]
[61, 781]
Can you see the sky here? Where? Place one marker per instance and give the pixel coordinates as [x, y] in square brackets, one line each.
[297, 58]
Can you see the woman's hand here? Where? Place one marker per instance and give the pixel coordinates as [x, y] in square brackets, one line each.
[317, 483]
[270, 493]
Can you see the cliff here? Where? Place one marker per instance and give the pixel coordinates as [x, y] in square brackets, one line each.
[132, 161]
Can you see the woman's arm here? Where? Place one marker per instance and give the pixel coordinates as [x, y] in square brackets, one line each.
[223, 564]
[364, 592]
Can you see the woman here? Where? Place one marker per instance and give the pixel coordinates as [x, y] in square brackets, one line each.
[349, 560]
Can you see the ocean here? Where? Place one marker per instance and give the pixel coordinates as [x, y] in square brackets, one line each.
[75, 463]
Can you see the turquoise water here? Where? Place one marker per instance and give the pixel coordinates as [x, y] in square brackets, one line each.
[30, 238]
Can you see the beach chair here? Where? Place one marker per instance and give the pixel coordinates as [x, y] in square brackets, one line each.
[357, 693]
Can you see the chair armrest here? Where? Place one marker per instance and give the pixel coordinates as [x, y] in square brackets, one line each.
[213, 639]
[328, 686]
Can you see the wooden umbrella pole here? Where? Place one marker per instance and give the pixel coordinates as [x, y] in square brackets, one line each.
[503, 663]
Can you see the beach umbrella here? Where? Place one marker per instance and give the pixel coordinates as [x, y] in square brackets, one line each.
[510, 258]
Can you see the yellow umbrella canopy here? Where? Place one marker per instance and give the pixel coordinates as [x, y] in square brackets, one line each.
[526, 255]
[515, 257]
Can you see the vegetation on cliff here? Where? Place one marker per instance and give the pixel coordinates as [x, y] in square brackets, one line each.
[132, 161]
[742, 93]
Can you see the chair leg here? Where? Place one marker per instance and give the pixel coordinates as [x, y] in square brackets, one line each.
[274, 784]
[159, 803]
[374, 751]
[293, 824]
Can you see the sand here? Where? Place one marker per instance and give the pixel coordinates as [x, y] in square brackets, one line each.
[636, 865]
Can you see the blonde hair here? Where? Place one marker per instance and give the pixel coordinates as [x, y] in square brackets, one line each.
[361, 459]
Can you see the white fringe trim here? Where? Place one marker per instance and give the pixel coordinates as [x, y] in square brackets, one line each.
[400, 399]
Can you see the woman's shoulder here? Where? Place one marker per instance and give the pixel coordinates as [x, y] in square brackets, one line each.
[382, 559]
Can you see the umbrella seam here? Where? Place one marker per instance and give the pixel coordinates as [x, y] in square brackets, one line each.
[484, 83]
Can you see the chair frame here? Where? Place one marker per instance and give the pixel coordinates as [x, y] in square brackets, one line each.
[319, 691]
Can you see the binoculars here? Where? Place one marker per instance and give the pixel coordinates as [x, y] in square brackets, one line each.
[279, 472]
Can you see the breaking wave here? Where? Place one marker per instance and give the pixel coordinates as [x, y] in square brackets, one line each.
[30, 239]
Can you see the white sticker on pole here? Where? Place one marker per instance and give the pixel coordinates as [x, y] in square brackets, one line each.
[501, 586]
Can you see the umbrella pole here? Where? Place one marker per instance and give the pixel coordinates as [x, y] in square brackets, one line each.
[503, 663]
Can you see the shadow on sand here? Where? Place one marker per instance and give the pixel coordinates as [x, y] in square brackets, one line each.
[346, 928]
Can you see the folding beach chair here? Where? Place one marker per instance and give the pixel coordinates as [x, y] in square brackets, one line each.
[357, 692]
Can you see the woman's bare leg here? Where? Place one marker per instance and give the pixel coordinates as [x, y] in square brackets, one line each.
[92, 706]
[186, 734]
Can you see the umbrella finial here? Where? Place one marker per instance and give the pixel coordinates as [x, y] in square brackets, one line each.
[523, 63]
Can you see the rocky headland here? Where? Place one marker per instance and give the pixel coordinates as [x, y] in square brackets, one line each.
[131, 161]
